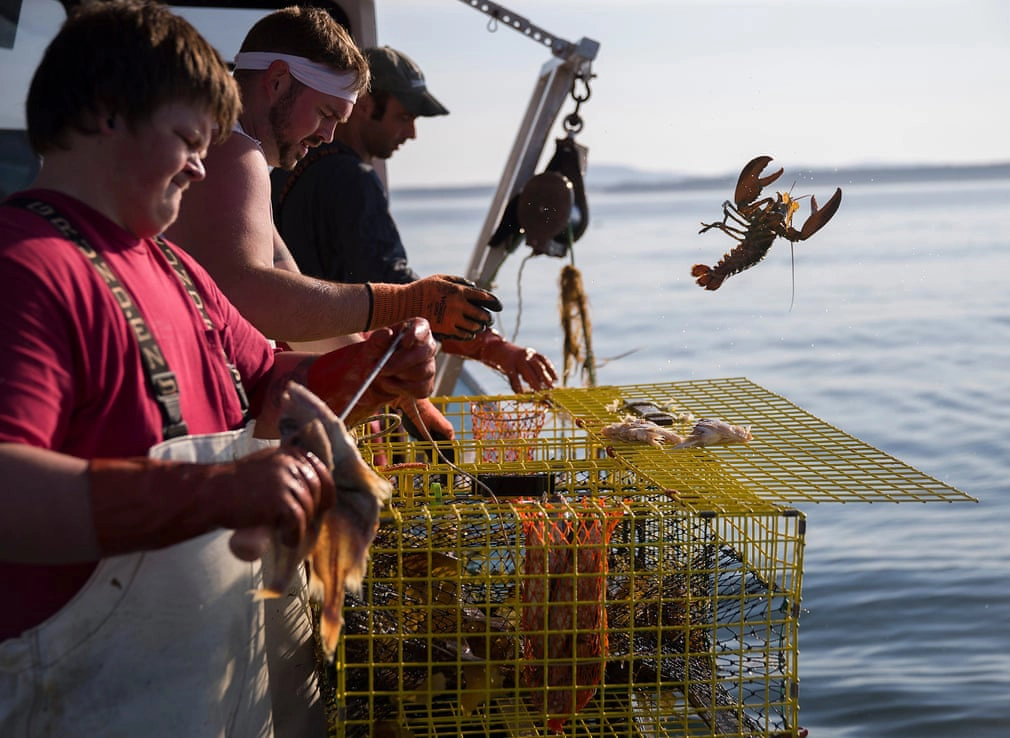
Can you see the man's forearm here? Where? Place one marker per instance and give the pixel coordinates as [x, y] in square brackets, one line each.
[287, 306]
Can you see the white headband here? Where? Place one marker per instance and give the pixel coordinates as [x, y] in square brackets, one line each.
[317, 76]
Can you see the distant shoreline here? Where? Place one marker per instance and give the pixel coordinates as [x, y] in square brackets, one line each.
[18, 167]
[618, 179]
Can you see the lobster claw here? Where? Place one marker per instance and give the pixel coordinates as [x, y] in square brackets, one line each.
[749, 185]
[818, 216]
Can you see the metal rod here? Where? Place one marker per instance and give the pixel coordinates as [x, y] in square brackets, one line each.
[498, 13]
[371, 377]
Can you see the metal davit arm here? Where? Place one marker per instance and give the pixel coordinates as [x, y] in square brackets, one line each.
[552, 88]
[498, 14]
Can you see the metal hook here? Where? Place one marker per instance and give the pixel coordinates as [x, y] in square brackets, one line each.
[492, 24]
[584, 79]
[573, 122]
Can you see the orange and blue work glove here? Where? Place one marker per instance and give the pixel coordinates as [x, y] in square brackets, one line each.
[454, 307]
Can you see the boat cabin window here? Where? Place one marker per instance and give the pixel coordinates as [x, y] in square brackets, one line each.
[27, 27]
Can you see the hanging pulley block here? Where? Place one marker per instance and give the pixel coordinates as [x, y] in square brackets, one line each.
[544, 208]
[551, 204]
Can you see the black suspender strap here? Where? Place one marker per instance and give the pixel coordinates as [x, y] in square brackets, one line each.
[190, 287]
[161, 379]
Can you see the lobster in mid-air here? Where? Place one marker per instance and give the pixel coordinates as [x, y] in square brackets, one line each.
[757, 223]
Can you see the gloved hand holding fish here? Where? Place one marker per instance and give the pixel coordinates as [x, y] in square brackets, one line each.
[339, 536]
[343, 532]
[144, 503]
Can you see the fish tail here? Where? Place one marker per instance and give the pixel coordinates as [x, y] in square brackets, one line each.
[331, 622]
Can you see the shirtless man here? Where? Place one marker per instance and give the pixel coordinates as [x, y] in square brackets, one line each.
[299, 75]
[333, 209]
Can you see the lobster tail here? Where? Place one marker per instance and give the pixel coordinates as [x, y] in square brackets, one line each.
[707, 277]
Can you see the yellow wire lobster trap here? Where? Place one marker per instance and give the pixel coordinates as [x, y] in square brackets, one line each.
[550, 581]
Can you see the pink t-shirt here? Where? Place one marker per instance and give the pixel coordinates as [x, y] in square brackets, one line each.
[71, 378]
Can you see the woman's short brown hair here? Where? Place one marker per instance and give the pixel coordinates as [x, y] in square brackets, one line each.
[125, 58]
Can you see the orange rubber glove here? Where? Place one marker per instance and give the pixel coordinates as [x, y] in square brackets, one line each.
[142, 504]
[515, 362]
[455, 307]
[410, 373]
[422, 414]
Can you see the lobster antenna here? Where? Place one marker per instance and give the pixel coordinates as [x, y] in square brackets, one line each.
[792, 266]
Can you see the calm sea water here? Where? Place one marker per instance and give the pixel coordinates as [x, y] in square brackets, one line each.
[899, 335]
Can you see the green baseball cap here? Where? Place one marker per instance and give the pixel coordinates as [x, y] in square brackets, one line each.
[396, 73]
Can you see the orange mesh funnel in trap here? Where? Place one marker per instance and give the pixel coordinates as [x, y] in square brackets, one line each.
[564, 615]
[506, 429]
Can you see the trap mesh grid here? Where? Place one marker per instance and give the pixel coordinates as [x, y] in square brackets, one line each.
[558, 582]
[794, 456]
[610, 615]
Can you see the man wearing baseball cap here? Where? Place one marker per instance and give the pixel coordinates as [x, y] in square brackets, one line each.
[332, 210]
[396, 73]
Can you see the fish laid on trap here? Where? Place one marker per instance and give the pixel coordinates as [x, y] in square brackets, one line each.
[706, 432]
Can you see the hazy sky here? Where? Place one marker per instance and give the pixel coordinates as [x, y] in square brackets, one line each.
[701, 86]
